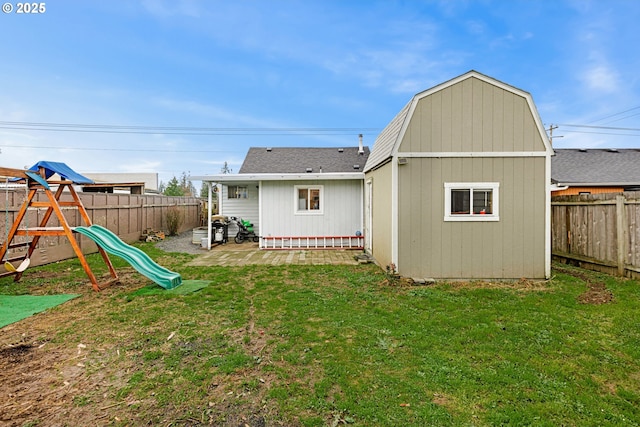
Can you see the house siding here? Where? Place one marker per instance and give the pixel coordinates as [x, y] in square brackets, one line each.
[512, 247]
[246, 209]
[341, 214]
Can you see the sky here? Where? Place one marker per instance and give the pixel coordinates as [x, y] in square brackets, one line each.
[183, 86]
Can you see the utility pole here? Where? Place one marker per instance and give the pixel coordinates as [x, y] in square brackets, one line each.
[551, 128]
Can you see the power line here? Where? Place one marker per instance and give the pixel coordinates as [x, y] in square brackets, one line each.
[599, 127]
[177, 130]
[146, 150]
[603, 133]
[616, 114]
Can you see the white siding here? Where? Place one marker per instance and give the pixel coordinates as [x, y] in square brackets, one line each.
[244, 208]
[341, 214]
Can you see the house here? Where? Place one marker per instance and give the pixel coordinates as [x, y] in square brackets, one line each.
[132, 183]
[593, 171]
[297, 197]
[457, 185]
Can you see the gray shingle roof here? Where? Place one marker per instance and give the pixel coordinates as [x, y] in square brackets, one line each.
[300, 160]
[596, 166]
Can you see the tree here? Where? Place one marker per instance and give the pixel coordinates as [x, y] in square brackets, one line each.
[178, 187]
[204, 191]
[226, 169]
[188, 188]
[173, 188]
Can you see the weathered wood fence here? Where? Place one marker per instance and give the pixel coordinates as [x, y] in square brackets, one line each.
[127, 215]
[598, 231]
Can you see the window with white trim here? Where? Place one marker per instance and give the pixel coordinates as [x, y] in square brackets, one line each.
[238, 192]
[308, 200]
[471, 201]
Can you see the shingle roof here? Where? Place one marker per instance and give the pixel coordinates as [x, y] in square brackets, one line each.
[385, 142]
[596, 166]
[300, 160]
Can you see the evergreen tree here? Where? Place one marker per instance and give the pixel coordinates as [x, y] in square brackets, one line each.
[226, 169]
[173, 188]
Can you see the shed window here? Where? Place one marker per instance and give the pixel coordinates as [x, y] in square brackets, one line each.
[471, 201]
[308, 200]
[238, 192]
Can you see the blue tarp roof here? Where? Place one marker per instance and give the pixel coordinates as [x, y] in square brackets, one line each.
[61, 169]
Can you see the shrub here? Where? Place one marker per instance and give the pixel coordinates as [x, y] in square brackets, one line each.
[174, 220]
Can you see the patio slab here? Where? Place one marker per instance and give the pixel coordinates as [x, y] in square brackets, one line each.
[233, 254]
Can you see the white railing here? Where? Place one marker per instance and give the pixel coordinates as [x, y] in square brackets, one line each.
[312, 242]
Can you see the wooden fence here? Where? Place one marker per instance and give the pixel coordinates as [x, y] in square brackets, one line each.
[127, 215]
[599, 231]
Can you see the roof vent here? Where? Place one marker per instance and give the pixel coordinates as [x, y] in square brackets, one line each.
[340, 150]
[612, 150]
[309, 170]
[356, 166]
[582, 150]
[269, 149]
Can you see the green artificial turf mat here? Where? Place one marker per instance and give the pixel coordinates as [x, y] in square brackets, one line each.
[17, 307]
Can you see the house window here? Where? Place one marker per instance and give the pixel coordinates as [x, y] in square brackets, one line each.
[475, 201]
[238, 192]
[308, 200]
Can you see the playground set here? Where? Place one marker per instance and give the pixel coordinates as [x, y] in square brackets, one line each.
[42, 178]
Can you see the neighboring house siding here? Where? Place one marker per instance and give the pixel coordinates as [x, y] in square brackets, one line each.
[512, 247]
[573, 191]
[381, 215]
[246, 209]
[472, 115]
[341, 213]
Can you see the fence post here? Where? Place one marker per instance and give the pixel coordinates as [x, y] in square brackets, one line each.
[621, 235]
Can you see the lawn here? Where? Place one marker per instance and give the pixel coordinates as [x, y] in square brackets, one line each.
[322, 346]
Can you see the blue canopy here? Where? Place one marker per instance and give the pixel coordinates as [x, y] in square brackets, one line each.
[61, 169]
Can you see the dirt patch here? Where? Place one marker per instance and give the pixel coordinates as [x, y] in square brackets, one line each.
[596, 293]
[49, 381]
[46, 382]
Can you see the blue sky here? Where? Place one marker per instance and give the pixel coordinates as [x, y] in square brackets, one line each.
[173, 86]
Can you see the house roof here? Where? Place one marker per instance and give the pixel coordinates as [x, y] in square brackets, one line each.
[279, 160]
[595, 167]
[391, 135]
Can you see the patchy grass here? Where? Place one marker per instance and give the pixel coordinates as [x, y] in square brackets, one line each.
[325, 345]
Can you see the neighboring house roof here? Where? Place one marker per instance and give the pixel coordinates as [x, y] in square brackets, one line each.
[596, 167]
[391, 135]
[304, 160]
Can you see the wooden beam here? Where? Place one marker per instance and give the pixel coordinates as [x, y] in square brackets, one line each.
[14, 173]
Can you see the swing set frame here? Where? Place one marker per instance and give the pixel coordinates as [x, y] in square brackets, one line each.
[37, 183]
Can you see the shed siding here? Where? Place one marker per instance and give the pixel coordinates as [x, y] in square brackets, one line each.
[513, 247]
[342, 211]
[381, 227]
[472, 115]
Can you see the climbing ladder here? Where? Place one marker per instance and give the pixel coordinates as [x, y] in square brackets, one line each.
[36, 183]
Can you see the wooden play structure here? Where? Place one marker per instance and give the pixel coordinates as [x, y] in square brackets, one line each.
[40, 180]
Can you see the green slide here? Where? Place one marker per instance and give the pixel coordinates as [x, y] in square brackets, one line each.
[111, 243]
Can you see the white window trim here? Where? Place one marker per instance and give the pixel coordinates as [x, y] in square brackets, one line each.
[493, 186]
[229, 192]
[297, 211]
